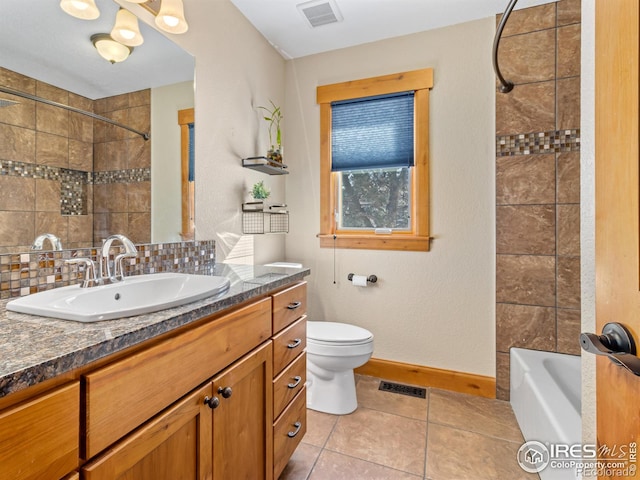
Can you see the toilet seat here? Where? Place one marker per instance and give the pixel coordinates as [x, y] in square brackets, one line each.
[337, 334]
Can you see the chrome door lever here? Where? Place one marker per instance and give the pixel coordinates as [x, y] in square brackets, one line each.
[616, 343]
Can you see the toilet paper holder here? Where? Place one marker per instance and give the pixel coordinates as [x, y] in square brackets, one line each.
[370, 278]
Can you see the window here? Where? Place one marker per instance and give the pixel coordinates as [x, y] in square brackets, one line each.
[374, 143]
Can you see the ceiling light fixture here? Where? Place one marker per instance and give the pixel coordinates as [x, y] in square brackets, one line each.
[126, 29]
[170, 18]
[109, 49]
[84, 9]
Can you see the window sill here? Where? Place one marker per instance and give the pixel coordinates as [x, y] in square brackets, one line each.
[410, 243]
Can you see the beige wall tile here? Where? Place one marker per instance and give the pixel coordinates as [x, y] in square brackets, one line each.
[81, 155]
[109, 156]
[17, 228]
[17, 81]
[139, 227]
[52, 150]
[568, 115]
[52, 222]
[140, 119]
[569, 331]
[568, 12]
[528, 58]
[529, 19]
[81, 229]
[17, 193]
[22, 114]
[526, 229]
[568, 230]
[110, 197]
[48, 195]
[139, 153]
[18, 144]
[569, 282]
[51, 92]
[523, 179]
[502, 376]
[526, 279]
[141, 97]
[80, 127]
[569, 177]
[527, 108]
[569, 51]
[525, 326]
[52, 120]
[139, 197]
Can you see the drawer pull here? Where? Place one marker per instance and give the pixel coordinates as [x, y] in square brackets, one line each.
[297, 379]
[225, 392]
[294, 305]
[213, 402]
[298, 426]
[296, 343]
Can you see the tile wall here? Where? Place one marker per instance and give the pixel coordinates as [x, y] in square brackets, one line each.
[66, 174]
[538, 185]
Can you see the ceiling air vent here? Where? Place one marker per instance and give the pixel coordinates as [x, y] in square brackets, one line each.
[320, 12]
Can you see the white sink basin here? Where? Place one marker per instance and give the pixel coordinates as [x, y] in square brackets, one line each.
[133, 296]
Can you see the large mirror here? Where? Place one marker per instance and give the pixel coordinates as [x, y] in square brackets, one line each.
[72, 175]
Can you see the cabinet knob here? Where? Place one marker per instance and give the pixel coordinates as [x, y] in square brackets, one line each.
[225, 392]
[213, 402]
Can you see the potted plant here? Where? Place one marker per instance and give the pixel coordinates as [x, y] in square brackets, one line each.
[274, 117]
[259, 191]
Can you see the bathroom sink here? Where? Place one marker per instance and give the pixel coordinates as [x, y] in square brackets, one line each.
[132, 296]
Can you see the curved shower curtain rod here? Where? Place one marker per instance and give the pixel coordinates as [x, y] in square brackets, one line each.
[506, 86]
[28, 96]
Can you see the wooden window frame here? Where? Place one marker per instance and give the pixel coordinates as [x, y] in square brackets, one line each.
[415, 239]
[185, 117]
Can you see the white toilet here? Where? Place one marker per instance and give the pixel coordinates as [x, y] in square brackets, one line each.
[333, 351]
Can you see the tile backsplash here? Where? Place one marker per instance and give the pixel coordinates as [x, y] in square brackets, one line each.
[36, 271]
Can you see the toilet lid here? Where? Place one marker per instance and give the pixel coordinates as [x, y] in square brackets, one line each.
[334, 332]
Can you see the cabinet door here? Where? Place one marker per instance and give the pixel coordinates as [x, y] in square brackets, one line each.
[176, 445]
[242, 440]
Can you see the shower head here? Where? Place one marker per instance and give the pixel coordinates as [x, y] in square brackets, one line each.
[5, 102]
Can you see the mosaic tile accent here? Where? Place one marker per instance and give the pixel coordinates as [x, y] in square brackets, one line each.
[132, 175]
[73, 191]
[32, 272]
[538, 142]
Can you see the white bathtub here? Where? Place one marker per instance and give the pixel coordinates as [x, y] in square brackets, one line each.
[546, 399]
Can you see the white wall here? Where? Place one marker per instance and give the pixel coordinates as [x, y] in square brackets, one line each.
[166, 171]
[236, 70]
[587, 215]
[429, 308]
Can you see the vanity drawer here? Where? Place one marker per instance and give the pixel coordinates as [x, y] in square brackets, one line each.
[123, 395]
[289, 305]
[288, 344]
[40, 438]
[288, 431]
[289, 383]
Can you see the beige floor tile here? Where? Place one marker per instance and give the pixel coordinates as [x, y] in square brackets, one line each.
[319, 426]
[335, 466]
[301, 462]
[461, 455]
[477, 414]
[386, 439]
[369, 396]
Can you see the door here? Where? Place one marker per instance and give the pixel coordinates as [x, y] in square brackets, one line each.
[176, 445]
[242, 428]
[617, 222]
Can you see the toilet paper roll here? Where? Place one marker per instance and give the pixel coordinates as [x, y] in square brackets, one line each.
[359, 280]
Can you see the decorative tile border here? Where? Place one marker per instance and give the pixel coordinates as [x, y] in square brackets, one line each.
[31, 272]
[73, 192]
[538, 142]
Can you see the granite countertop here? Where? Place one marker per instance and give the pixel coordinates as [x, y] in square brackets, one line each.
[34, 349]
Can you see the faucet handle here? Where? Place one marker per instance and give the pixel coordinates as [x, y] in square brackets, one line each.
[90, 276]
[119, 263]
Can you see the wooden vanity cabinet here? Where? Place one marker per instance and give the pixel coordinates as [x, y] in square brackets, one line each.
[290, 373]
[40, 438]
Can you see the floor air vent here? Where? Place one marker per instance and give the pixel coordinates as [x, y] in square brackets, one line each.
[403, 389]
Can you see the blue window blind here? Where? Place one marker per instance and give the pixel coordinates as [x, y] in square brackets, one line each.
[372, 132]
[192, 154]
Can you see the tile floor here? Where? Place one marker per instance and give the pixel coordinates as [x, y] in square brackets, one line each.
[447, 436]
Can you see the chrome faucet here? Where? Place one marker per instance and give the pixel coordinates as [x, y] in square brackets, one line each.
[55, 242]
[90, 275]
[130, 251]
